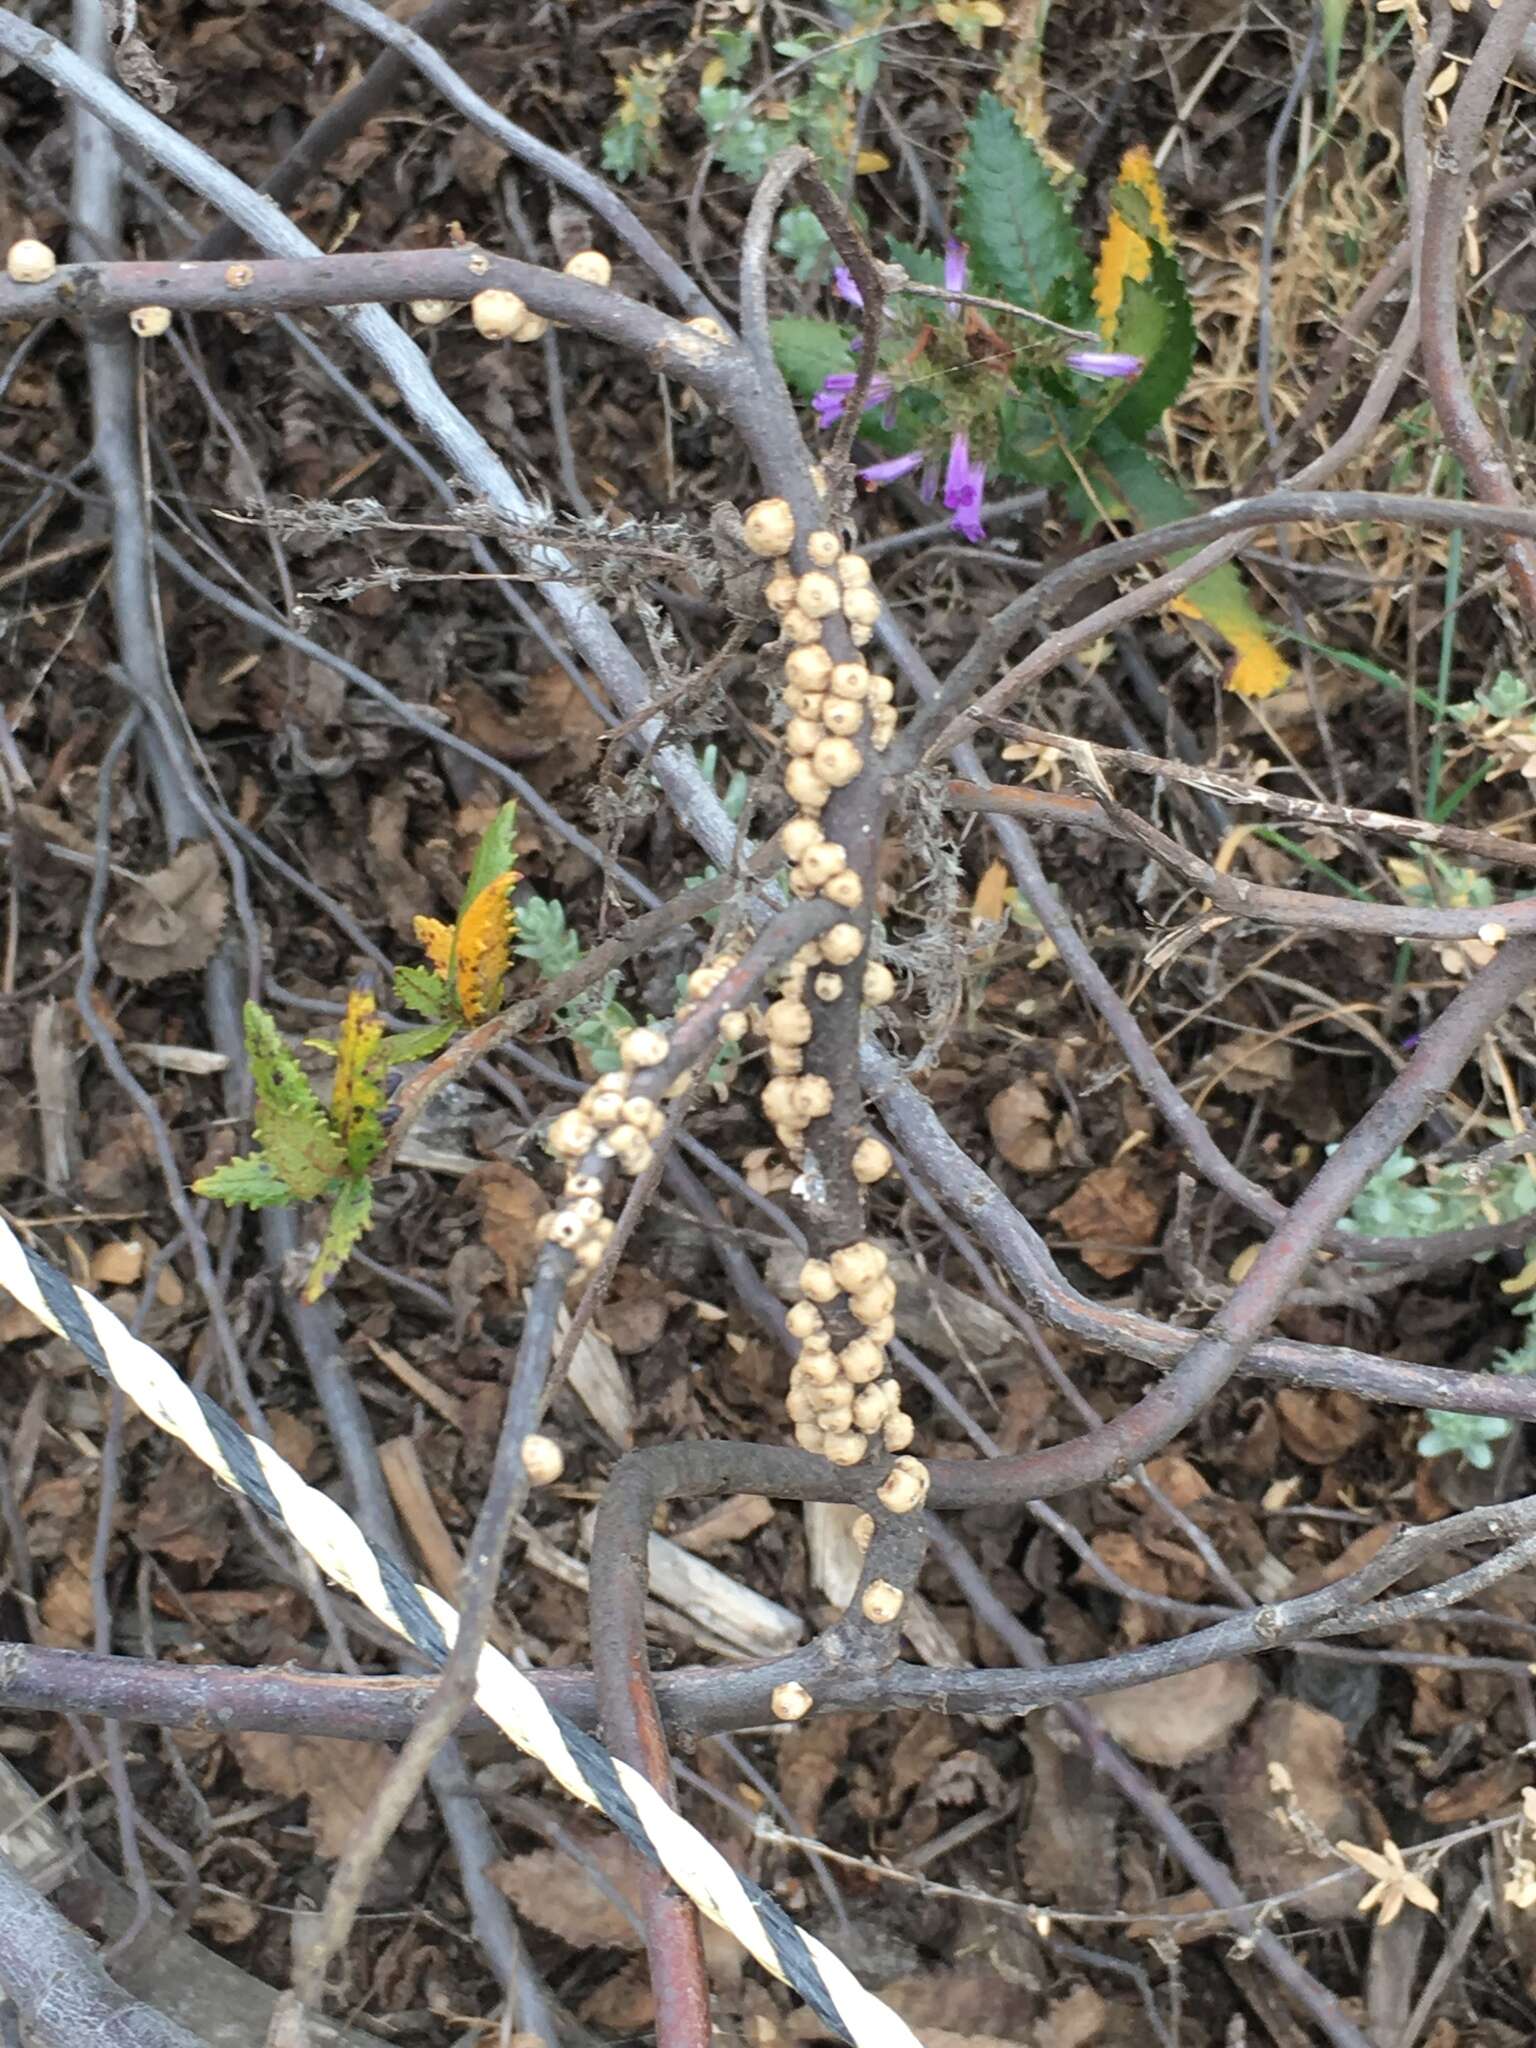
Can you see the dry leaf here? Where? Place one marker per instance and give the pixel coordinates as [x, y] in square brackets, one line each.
[550, 1888]
[1188, 1714]
[1319, 1427]
[184, 1515]
[170, 922]
[339, 1779]
[65, 1610]
[1111, 1220]
[1076, 2020]
[1019, 1119]
[511, 1203]
[967, 2004]
[1284, 1794]
[1249, 1064]
[118, 1264]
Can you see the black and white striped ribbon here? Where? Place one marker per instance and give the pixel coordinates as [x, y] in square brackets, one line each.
[382, 1583]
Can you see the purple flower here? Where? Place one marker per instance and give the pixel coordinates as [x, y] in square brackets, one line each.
[1090, 362]
[894, 466]
[831, 401]
[964, 481]
[844, 286]
[954, 270]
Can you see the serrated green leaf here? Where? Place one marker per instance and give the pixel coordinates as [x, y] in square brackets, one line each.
[304, 1150]
[921, 265]
[401, 1046]
[419, 989]
[1157, 323]
[494, 856]
[346, 1223]
[808, 352]
[280, 1082]
[292, 1128]
[1012, 218]
[250, 1181]
[545, 938]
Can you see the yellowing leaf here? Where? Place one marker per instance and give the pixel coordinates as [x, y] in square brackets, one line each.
[969, 19]
[358, 1096]
[1521, 1282]
[1125, 253]
[1223, 602]
[435, 940]
[868, 161]
[713, 74]
[482, 948]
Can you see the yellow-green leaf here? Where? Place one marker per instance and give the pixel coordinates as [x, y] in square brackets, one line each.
[357, 1100]
[344, 1226]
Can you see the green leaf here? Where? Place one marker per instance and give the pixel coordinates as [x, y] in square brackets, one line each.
[292, 1128]
[249, 1181]
[629, 149]
[303, 1148]
[1012, 218]
[494, 856]
[420, 1044]
[281, 1084]
[808, 352]
[544, 938]
[801, 240]
[921, 265]
[1154, 498]
[1157, 323]
[345, 1225]
[422, 990]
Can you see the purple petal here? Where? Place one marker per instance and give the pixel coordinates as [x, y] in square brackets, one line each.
[893, 467]
[967, 523]
[954, 269]
[964, 481]
[1090, 362]
[844, 286]
[831, 401]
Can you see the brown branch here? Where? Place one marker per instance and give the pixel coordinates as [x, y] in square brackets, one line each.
[1486, 467]
[1291, 909]
[1005, 799]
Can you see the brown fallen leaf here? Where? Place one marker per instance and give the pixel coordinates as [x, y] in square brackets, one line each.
[511, 1203]
[1076, 2020]
[168, 923]
[65, 1614]
[1019, 1119]
[1188, 1714]
[339, 1779]
[118, 1263]
[548, 1887]
[1319, 1427]
[964, 2007]
[1249, 1064]
[1111, 1220]
[184, 1515]
[1285, 1796]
